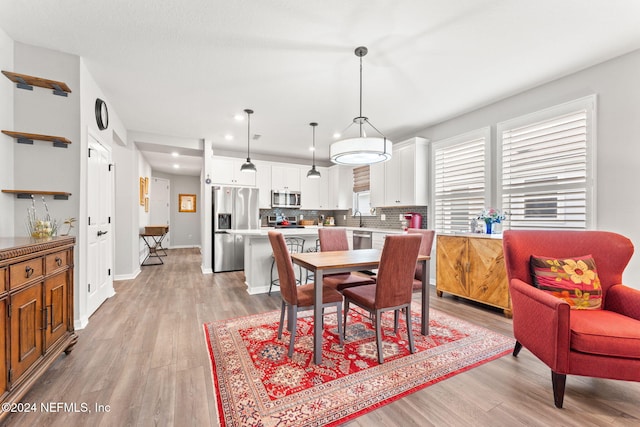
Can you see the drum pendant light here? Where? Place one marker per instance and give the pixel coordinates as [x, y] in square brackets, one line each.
[313, 172]
[363, 149]
[248, 166]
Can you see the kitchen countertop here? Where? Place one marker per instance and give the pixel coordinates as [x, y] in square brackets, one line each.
[307, 230]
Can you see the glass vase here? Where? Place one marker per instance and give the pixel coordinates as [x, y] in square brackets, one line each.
[489, 226]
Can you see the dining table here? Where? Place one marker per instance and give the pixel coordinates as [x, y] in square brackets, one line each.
[331, 262]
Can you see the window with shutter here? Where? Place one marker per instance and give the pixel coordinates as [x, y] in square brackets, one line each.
[545, 167]
[361, 179]
[460, 168]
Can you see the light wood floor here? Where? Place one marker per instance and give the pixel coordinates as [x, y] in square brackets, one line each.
[143, 355]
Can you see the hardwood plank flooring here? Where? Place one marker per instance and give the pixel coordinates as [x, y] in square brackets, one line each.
[143, 354]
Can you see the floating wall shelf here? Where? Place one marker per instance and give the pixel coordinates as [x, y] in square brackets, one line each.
[24, 81]
[26, 194]
[28, 138]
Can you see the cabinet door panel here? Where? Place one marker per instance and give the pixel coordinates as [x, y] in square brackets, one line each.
[3, 345]
[55, 300]
[452, 265]
[488, 275]
[26, 329]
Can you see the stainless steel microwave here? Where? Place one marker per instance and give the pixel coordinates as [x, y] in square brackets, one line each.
[285, 199]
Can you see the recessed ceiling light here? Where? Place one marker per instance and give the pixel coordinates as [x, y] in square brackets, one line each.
[175, 154]
[239, 117]
[312, 149]
[176, 166]
[336, 135]
[228, 137]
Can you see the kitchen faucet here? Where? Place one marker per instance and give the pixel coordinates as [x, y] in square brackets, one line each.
[354, 215]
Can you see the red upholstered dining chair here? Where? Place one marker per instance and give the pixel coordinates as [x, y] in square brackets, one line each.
[335, 239]
[298, 298]
[393, 289]
[602, 341]
[425, 249]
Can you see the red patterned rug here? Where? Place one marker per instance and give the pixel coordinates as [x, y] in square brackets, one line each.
[256, 384]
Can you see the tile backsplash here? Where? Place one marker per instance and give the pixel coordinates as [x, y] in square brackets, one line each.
[346, 219]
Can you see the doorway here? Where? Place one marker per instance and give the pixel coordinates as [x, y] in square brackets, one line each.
[159, 205]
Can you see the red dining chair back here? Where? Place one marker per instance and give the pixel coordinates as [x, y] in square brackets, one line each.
[393, 288]
[298, 298]
[425, 249]
[335, 239]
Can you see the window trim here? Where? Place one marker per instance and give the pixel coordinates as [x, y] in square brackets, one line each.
[484, 132]
[589, 104]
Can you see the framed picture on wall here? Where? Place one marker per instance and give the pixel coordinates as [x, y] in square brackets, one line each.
[146, 185]
[186, 202]
[141, 191]
[146, 204]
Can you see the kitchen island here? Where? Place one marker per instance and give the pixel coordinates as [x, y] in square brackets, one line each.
[257, 252]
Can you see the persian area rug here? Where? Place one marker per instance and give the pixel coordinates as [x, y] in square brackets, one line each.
[256, 384]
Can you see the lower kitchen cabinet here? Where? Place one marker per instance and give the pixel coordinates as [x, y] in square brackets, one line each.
[36, 308]
[472, 267]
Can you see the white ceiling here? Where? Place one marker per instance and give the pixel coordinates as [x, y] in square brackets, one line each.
[184, 68]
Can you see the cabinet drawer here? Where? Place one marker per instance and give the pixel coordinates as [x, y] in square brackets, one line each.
[25, 272]
[55, 261]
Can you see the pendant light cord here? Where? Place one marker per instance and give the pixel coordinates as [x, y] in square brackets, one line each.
[361, 97]
[248, 133]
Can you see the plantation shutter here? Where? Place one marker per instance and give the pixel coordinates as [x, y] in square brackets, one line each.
[361, 179]
[545, 172]
[459, 180]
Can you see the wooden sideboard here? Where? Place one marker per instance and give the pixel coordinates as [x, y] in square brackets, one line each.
[36, 310]
[472, 267]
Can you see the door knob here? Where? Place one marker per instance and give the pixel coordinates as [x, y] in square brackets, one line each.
[101, 233]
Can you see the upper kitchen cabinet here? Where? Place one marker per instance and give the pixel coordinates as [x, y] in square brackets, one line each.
[340, 187]
[315, 192]
[263, 182]
[226, 170]
[285, 178]
[376, 185]
[405, 175]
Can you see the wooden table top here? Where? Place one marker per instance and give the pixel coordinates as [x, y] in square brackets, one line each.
[364, 258]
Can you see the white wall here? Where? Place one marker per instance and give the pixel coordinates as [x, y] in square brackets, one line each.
[144, 218]
[206, 214]
[618, 137]
[41, 166]
[6, 143]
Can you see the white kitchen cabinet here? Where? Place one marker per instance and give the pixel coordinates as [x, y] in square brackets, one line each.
[285, 178]
[226, 170]
[405, 175]
[376, 185]
[263, 181]
[340, 187]
[377, 240]
[314, 192]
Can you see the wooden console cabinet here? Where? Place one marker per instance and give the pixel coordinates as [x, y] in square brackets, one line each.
[36, 310]
[472, 267]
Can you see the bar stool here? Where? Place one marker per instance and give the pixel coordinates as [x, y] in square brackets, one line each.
[310, 275]
[294, 245]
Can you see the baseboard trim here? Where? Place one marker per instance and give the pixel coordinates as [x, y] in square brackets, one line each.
[131, 276]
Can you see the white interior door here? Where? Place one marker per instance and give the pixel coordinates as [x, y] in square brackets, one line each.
[100, 235]
[159, 202]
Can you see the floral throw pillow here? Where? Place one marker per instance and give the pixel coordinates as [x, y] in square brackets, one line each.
[574, 280]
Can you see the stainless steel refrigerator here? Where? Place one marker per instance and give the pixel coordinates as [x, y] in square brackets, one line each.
[234, 208]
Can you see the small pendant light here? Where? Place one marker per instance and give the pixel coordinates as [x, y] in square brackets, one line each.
[248, 166]
[313, 172]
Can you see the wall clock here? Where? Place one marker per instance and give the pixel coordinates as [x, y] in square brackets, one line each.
[102, 114]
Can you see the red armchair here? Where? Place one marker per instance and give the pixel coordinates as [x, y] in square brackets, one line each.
[602, 343]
